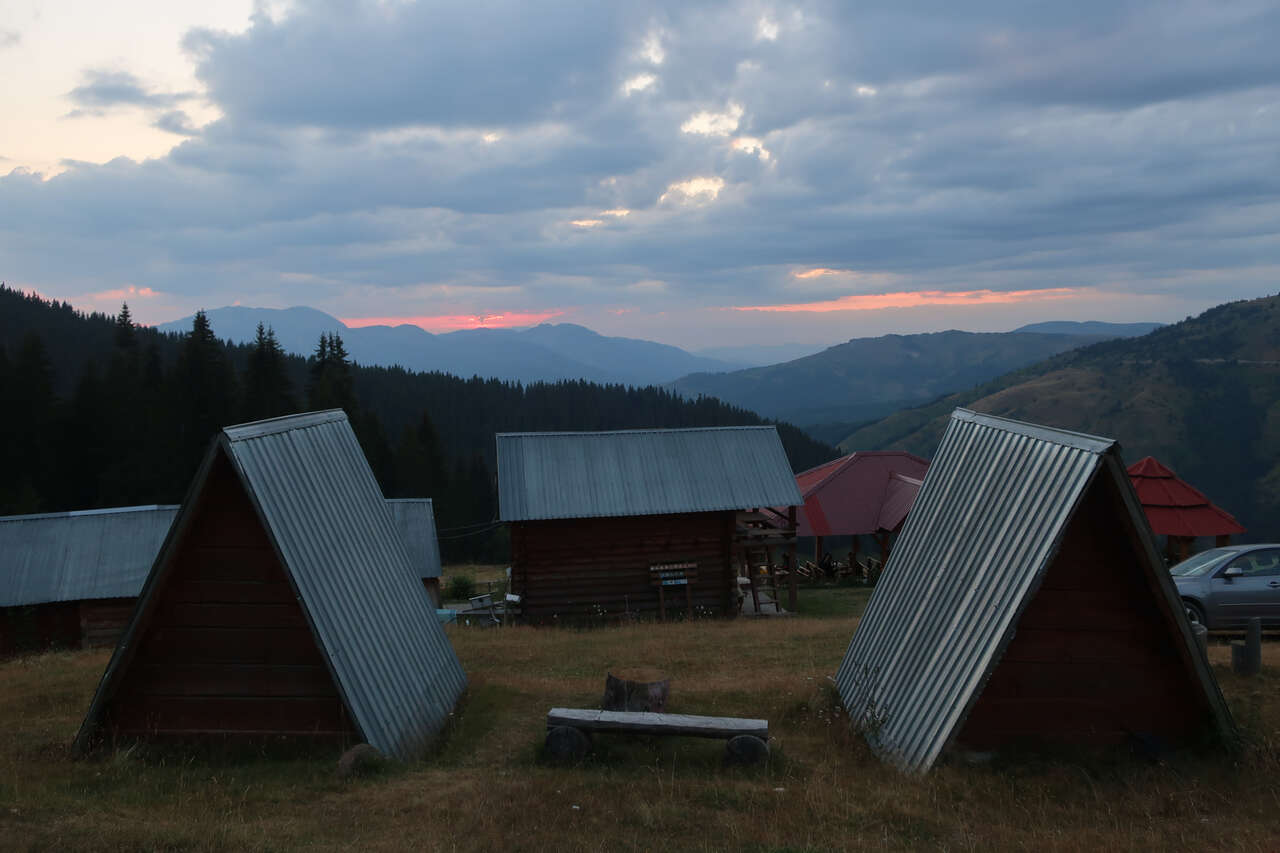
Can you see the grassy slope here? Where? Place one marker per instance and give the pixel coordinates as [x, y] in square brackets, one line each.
[485, 789]
[1202, 395]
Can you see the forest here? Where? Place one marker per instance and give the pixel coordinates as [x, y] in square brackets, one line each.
[102, 411]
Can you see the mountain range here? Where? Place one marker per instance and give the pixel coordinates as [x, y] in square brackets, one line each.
[1202, 396]
[867, 378]
[548, 352]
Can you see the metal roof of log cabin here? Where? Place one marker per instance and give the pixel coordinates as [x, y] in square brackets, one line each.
[416, 519]
[1174, 507]
[107, 553]
[985, 528]
[849, 495]
[327, 521]
[77, 556]
[545, 475]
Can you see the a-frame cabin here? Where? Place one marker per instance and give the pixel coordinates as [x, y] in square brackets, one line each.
[283, 603]
[1025, 603]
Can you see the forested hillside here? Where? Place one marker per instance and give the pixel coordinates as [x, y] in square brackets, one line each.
[101, 412]
[868, 378]
[1202, 395]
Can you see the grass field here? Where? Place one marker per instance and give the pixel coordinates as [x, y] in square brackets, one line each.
[485, 788]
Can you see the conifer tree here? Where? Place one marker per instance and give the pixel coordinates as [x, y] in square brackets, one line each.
[268, 393]
[206, 390]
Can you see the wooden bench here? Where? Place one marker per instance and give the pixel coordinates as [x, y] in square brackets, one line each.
[569, 730]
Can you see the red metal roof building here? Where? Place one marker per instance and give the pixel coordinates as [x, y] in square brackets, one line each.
[1176, 509]
[868, 492]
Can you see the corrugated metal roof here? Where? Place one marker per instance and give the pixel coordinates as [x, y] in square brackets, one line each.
[72, 556]
[375, 624]
[985, 527]
[416, 519]
[108, 553]
[545, 475]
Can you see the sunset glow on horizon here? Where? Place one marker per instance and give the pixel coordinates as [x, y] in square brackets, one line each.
[458, 322]
[921, 298]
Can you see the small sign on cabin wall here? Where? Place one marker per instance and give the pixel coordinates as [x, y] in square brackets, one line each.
[663, 575]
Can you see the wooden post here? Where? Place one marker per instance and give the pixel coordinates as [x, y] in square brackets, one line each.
[1222, 541]
[1246, 657]
[791, 560]
[662, 603]
[817, 549]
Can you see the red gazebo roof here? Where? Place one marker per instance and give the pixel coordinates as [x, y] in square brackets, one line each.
[859, 493]
[1174, 507]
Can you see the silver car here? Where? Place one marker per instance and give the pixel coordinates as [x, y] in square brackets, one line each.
[1223, 587]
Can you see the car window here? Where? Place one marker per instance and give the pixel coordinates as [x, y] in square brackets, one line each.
[1256, 564]
[1200, 563]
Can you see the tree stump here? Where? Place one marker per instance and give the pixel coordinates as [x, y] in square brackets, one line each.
[637, 690]
[746, 749]
[567, 745]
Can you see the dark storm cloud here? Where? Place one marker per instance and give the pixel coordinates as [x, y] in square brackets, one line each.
[384, 145]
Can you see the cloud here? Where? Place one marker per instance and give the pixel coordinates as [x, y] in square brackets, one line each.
[455, 322]
[714, 124]
[10, 38]
[694, 190]
[638, 83]
[872, 151]
[102, 90]
[175, 121]
[917, 299]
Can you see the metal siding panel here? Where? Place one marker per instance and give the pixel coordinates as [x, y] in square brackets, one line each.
[371, 614]
[641, 472]
[75, 556]
[983, 530]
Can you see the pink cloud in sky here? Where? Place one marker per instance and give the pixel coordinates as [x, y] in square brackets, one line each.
[123, 293]
[454, 322]
[920, 298]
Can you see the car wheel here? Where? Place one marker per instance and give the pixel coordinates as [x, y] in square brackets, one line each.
[1195, 613]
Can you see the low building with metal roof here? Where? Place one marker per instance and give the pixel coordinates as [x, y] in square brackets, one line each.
[283, 602]
[416, 519]
[867, 493]
[1178, 510]
[69, 579]
[1025, 601]
[610, 523]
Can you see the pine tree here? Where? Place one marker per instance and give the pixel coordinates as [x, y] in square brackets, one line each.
[268, 393]
[331, 384]
[204, 385]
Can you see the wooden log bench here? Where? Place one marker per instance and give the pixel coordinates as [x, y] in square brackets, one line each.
[569, 731]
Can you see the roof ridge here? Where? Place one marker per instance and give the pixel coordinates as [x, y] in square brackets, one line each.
[1056, 435]
[284, 423]
[88, 513]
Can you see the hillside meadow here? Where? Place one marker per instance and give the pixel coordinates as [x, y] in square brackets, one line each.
[485, 788]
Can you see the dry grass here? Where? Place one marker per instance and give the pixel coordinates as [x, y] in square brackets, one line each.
[485, 788]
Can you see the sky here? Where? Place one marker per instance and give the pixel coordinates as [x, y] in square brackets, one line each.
[701, 174]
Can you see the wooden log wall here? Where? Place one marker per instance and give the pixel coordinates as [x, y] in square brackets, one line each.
[103, 620]
[1095, 659]
[225, 648]
[39, 627]
[598, 568]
